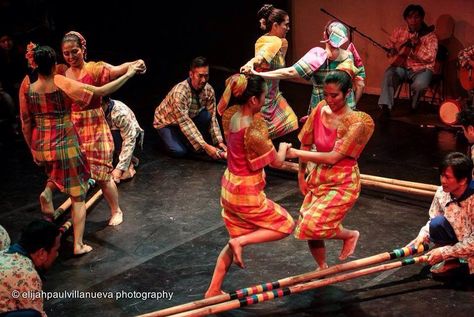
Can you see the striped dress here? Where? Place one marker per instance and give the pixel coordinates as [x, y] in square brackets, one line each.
[314, 66]
[92, 126]
[245, 207]
[276, 111]
[54, 142]
[333, 189]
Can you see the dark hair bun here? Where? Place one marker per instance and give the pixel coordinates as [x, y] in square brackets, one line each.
[265, 11]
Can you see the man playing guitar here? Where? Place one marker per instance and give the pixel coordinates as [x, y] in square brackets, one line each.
[412, 51]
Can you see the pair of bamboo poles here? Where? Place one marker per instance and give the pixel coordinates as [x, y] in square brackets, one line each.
[295, 284]
[298, 283]
[407, 187]
[304, 282]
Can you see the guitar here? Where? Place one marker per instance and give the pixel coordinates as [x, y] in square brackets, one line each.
[401, 54]
[403, 50]
[466, 78]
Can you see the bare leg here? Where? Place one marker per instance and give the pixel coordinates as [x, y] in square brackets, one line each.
[258, 236]
[233, 252]
[318, 251]
[109, 189]
[222, 267]
[78, 211]
[46, 201]
[349, 238]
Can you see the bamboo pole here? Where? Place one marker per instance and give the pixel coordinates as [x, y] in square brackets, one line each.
[239, 294]
[298, 288]
[65, 227]
[382, 182]
[403, 189]
[66, 204]
[62, 209]
[423, 186]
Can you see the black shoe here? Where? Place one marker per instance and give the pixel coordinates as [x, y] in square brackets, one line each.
[385, 113]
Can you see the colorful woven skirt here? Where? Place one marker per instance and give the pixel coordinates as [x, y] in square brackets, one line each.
[281, 119]
[245, 207]
[96, 140]
[333, 190]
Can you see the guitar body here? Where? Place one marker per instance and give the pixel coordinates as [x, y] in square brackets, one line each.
[466, 77]
[405, 48]
[400, 58]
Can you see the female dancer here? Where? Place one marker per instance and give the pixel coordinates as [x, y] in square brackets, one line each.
[270, 51]
[339, 135]
[318, 62]
[90, 121]
[45, 108]
[249, 216]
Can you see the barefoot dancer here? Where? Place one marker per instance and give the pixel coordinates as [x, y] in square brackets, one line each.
[339, 134]
[45, 108]
[249, 216]
[90, 122]
[270, 51]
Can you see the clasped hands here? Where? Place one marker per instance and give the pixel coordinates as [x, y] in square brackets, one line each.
[139, 66]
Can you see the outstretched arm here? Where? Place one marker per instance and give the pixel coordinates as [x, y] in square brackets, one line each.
[281, 73]
[249, 66]
[330, 158]
[119, 70]
[83, 92]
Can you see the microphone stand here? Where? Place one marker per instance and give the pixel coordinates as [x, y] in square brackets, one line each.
[354, 29]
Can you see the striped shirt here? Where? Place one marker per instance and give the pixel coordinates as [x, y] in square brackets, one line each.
[423, 55]
[181, 105]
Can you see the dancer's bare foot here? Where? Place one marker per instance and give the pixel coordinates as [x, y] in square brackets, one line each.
[82, 249]
[212, 293]
[116, 219]
[349, 245]
[322, 267]
[236, 249]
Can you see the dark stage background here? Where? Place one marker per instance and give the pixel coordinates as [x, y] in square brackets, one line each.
[167, 39]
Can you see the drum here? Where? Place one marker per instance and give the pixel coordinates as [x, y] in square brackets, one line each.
[449, 110]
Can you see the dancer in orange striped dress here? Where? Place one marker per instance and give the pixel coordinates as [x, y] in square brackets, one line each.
[332, 138]
[249, 216]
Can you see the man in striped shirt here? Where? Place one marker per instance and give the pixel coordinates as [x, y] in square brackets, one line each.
[186, 119]
[413, 49]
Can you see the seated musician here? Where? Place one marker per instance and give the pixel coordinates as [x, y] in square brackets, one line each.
[412, 50]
